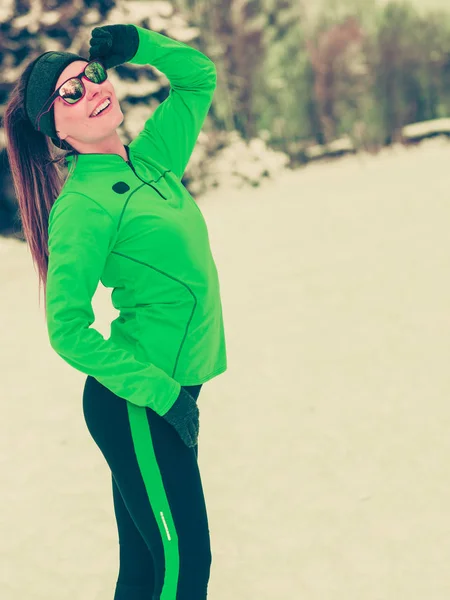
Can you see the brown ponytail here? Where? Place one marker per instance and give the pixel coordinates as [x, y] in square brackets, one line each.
[37, 175]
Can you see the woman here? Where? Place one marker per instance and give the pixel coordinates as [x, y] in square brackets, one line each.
[124, 218]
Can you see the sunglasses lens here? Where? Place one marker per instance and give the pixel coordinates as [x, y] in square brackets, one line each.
[72, 90]
[96, 72]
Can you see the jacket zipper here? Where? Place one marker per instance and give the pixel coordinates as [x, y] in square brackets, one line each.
[152, 186]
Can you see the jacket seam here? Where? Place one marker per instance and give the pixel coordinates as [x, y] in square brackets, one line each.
[180, 282]
[95, 202]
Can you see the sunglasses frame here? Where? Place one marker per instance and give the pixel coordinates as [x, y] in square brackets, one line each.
[49, 103]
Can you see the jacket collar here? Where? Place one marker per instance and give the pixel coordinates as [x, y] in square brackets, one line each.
[100, 161]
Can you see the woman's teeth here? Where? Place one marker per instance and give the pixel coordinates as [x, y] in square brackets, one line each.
[101, 108]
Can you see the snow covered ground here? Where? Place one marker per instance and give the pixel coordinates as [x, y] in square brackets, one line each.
[324, 449]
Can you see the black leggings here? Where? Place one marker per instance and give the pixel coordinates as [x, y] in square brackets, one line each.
[163, 532]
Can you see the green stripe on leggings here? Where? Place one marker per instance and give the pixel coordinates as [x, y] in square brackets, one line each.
[145, 454]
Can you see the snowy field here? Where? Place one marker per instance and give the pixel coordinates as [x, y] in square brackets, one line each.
[324, 449]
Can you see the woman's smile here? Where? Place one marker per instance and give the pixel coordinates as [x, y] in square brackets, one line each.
[103, 111]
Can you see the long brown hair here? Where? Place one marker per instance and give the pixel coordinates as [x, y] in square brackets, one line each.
[37, 175]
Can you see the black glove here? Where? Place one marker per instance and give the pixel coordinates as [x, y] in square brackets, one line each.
[114, 44]
[184, 416]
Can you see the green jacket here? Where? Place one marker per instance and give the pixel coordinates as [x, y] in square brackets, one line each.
[133, 226]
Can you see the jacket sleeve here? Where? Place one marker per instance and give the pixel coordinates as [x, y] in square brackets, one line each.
[80, 236]
[170, 134]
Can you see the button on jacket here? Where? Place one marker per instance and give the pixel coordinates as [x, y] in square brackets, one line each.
[134, 226]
